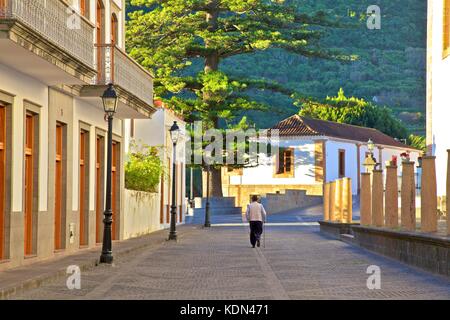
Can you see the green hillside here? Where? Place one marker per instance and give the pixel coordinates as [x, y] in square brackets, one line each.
[390, 70]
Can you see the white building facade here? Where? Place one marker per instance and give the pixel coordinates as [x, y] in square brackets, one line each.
[438, 83]
[56, 59]
[155, 132]
[311, 153]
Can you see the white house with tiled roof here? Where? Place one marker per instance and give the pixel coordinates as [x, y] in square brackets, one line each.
[312, 152]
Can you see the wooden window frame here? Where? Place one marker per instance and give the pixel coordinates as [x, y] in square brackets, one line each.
[84, 8]
[3, 165]
[341, 163]
[446, 29]
[286, 158]
[114, 29]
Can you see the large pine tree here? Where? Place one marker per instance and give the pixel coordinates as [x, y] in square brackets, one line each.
[184, 41]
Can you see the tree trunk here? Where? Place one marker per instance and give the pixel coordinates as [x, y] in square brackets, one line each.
[212, 64]
[215, 182]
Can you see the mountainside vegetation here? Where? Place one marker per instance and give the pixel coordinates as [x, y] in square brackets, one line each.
[390, 70]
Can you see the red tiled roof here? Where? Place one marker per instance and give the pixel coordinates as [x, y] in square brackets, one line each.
[303, 126]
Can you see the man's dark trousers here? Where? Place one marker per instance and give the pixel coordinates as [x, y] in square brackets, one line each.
[256, 229]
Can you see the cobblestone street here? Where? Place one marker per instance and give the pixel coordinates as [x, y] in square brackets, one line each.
[297, 263]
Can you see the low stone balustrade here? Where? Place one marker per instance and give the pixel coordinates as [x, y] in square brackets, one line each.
[338, 199]
[380, 202]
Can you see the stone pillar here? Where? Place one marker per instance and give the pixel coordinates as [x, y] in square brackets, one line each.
[428, 196]
[391, 198]
[347, 200]
[408, 194]
[339, 204]
[365, 200]
[332, 199]
[447, 197]
[326, 202]
[377, 198]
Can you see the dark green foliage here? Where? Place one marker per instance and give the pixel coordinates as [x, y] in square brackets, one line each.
[355, 111]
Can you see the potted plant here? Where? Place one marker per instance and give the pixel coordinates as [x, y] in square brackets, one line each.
[405, 156]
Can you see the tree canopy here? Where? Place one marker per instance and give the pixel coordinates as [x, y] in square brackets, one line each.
[354, 111]
[359, 112]
[185, 42]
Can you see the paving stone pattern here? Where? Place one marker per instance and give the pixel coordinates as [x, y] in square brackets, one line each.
[218, 263]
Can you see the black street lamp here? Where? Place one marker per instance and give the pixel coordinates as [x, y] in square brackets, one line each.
[110, 101]
[174, 135]
[207, 206]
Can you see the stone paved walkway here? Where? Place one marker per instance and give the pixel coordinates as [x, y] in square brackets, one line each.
[297, 263]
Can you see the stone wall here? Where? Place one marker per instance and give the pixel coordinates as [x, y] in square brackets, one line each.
[141, 213]
[291, 199]
[427, 251]
[242, 193]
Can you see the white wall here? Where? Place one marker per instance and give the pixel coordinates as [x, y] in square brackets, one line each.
[438, 89]
[263, 174]
[23, 88]
[155, 132]
[137, 220]
[351, 164]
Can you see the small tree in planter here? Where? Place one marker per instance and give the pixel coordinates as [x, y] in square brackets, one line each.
[144, 168]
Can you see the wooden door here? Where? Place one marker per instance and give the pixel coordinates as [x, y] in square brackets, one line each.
[29, 170]
[99, 160]
[99, 37]
[114, 188]
[83, 7]
[169, 188]
[2, 177]
[3, 7]
[114, 29]
[182, 192]
[58, 187]
[161, 204]
[82, 187]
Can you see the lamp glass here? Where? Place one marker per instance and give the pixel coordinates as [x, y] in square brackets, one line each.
[370, 145]
[174, 132]
[110, 100]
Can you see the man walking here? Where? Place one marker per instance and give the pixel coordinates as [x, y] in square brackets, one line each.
[256, 216]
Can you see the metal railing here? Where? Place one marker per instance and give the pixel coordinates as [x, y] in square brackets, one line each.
[56, 22]
[120, 69]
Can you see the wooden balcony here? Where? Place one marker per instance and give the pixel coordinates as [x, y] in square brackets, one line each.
[47, 40]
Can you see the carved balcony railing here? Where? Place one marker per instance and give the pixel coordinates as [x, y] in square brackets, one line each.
[117, 67]
[54, 21]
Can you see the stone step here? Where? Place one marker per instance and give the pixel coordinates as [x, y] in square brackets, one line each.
[215, 202]
[219, 211]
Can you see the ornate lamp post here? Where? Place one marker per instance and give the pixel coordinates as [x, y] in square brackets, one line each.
[110, 101]
[174, 135]
[207, 206]
[370, 162]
